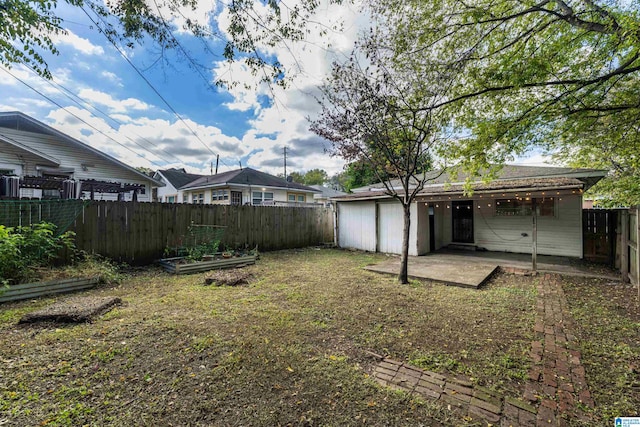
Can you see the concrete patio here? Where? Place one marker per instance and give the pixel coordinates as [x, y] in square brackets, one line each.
[473, 268]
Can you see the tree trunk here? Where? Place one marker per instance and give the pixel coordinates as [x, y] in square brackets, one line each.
[404, 259]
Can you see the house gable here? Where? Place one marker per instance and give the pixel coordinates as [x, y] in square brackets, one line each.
[50, 142]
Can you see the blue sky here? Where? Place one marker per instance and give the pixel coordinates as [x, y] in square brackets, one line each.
[247, 125]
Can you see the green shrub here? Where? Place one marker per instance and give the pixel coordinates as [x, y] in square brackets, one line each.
[24, 248]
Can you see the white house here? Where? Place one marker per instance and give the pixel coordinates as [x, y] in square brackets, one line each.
[173, 179]
[247, 187]
[498, 216]
[38, 161]
[325, 194]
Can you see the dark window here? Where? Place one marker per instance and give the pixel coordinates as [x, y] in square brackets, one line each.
[519, 206]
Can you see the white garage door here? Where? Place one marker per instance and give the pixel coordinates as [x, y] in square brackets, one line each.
[357, 225]
[390, 221]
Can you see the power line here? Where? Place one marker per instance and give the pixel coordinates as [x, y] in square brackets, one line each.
[78, 117]
[69, 94]
[178, 116]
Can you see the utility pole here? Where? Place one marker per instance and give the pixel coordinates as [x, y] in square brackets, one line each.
[285, 162]
[217, 160]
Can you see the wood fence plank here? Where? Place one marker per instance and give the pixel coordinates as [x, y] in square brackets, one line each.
[138, 233]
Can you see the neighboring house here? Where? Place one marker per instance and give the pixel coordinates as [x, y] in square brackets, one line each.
[38, 161]
[173, 180]
[247, 187]
[496, 217]
[325, 194]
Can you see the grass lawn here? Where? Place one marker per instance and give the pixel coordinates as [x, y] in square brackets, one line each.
[607, 319]
[288, 349]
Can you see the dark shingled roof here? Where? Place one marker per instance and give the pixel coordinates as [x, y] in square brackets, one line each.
[535, 184]
[246, 176]
[178, 177]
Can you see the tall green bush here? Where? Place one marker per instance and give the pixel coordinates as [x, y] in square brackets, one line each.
[24, 248]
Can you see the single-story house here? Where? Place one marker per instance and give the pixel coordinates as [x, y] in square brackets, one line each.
[497, 216]
[173, 179]
[38, 161]
[247, 187]
[325, 194]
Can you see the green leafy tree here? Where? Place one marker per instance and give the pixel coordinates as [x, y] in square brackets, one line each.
[297, 177]
[26, 29]
[559, 74]
[380, 115]
[360, 173]
[316, 177]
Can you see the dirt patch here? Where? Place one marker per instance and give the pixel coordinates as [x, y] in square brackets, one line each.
[234, 277]
[73, 310]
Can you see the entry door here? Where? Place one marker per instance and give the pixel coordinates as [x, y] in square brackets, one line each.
[462, 214]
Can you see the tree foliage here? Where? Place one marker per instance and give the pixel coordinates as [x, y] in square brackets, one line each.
[559, 74]
[25, 30]
[254, 28]
[316, 177]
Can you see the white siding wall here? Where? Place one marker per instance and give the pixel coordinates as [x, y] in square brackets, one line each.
[72, 157]
[166, 191]
[559, 235]
[357, 225]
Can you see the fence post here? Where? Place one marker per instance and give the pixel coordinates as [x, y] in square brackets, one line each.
[624, 256]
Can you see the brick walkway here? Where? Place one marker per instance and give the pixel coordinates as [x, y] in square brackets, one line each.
[556, 383]
[457, 392]
[557, 378]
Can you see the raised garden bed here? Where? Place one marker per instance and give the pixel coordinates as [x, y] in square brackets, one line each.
[33, 290]
[183, 265]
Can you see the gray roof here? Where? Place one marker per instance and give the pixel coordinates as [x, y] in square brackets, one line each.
[246, 176]
[328, 192]
[519, 185]
[179, 177]
[508, 172]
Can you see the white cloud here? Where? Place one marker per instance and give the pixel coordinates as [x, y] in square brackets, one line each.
[116, 105]
[78, 43]
[152, 142]
[112, 77]
[285, 121]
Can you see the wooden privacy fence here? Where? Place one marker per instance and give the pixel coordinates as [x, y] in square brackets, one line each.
[138, 233]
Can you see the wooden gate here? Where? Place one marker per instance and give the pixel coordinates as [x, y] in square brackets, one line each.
[599, 235]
